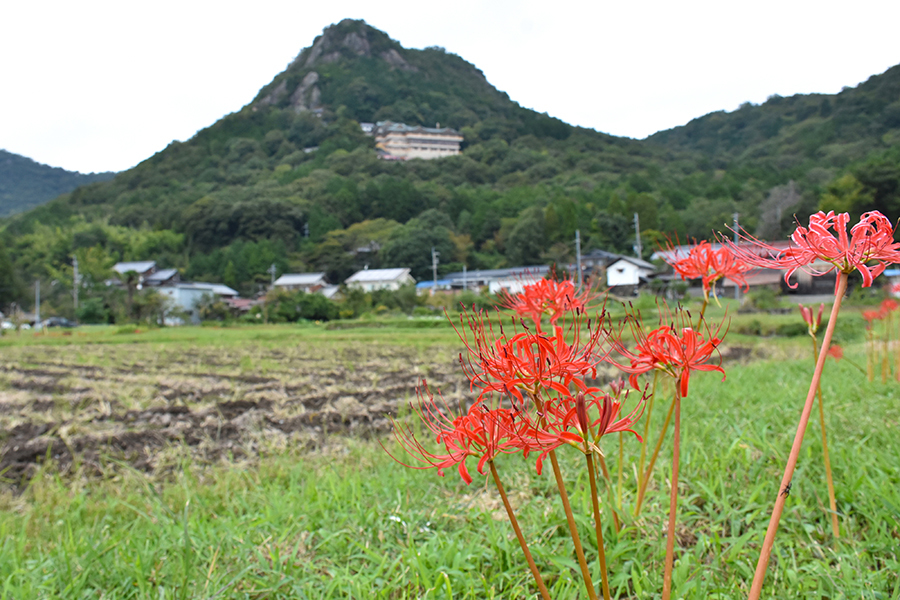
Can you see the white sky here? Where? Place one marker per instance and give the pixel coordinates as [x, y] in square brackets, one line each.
[93, 85]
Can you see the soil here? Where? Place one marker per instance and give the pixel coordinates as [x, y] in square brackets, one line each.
[99, 409]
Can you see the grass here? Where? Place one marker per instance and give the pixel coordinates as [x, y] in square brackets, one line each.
[345, 521]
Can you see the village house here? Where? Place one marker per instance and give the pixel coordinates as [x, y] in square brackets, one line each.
[628, 271]
[304, 282]
[369, 280]
[512, 280]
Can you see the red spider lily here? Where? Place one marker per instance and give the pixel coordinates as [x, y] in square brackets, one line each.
[547, 296]
[836, 352]
[710, 265]
[528, 361]
[807, 315]
[481, 432]
[579, 421]
[889, 305]
[674, 350]
[870, 240]
[617, 386]
[871, 316]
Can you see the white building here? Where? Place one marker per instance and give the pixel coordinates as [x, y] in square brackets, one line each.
[305, 282]
[512, 280]
[370, 280]
[628, 271]
[186, 296]
[401, 141]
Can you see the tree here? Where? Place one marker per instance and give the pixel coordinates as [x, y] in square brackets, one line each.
[527, 239]
[777, 205]
[10, 286]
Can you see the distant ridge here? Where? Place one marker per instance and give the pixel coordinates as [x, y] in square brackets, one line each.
[25, 183]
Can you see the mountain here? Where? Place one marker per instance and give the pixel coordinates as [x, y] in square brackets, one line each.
[830, 130]
[25, 183]
[291, 178]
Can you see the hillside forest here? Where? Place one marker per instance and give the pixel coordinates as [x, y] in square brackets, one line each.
[290, 179]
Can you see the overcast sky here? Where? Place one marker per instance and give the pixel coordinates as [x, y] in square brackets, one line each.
[93, 85]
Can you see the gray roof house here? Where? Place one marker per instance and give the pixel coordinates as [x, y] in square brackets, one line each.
[307, 282]
[379, 279]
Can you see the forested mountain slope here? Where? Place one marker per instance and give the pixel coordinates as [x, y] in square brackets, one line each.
[25, 183]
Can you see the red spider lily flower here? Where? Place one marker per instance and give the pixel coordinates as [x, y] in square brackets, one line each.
[871, 316]
[870, 240]
[710, 265]
[675, 350]
[616, 387]
[836, 352]
[481, 432]
[547, 296]
[580, 421]
[889, 305]
[527, 361]
[807, 315]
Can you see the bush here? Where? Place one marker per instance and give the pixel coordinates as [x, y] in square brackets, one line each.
[763, 299]
[93, 311]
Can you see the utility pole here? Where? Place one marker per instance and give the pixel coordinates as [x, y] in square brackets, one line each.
[37, 304]
[434, 264]
[578, 255]
[638, 248]
[737, 288]
[272, 271]
[76, 281]
[465, 287]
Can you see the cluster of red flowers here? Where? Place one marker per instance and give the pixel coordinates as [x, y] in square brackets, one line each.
[531, 388]
[674, 348]
[548, 297]
[887, 307]
[709, 264]
[870, 240]
[541, 376]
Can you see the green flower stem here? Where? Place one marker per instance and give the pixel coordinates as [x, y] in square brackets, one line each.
[673, 502]
[646, 479]
[515, 524]
[573, 529]
[595, 500]
[832, 503]
[609, 489]
[621, 467]
[783, 490]
[647, 430]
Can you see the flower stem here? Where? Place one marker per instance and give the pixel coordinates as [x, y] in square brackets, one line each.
[646, 479]
[647, 430]
[673, 503]
[784, 490]
[595, 500]
[621, 467]
[573, 529]
[832, 503]
[870, 356]
[515, 524]
[703, 312]
[609, 488]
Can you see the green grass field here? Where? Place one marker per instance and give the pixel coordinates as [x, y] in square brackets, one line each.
[340, 519]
